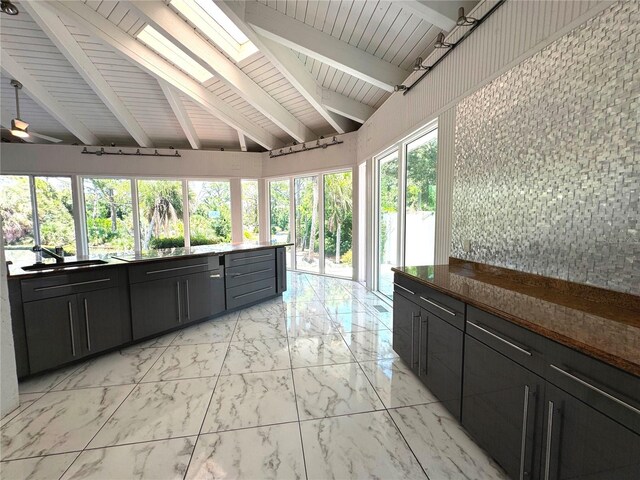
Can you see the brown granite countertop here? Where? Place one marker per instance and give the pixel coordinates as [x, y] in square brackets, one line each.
[128, 258]
[601, 323]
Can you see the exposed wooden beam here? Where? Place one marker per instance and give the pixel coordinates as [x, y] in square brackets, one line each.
[42, 96]
[58, 33]
[438, 13]
[180, 112]
[287, 64]
[345, 106]
[96, 25]
[171, 25]
[243, 141]
[314, 43]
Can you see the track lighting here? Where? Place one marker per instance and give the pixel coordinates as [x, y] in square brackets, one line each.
[296, 148]
[9, 8]
[400, 88]
[440, 43]
[418, 65]
[464, 21]
[102, 151]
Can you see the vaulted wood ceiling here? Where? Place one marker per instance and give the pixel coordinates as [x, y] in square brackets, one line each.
[322, 67]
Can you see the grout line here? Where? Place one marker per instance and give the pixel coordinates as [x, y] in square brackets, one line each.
[69, 466]
[295, 400]
[204, 417]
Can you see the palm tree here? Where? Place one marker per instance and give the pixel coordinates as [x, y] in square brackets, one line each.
[338, 204]
[161, 205]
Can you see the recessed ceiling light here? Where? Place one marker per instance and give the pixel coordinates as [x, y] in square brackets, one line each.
[214, 24]
[161, 44]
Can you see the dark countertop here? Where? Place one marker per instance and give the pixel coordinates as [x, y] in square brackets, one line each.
[600, 323]
[129, 258]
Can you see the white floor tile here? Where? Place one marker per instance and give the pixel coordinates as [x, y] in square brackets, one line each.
[320, 350]
[256, 356]
[218, 330]
[251, 400]
[271, 452]
[371, 345]
[442, 446]
[37, 468]
[188, 361]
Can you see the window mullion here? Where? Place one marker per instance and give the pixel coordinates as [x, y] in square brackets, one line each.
[34, 210]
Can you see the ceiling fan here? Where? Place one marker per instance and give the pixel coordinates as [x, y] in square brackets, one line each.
[20, 128]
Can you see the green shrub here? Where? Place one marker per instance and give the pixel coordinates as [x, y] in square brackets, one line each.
[347, 257]
[172, 242]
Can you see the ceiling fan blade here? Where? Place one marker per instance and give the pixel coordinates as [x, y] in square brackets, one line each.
[44, 137]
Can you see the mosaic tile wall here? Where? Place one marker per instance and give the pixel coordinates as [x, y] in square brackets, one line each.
[547, 172]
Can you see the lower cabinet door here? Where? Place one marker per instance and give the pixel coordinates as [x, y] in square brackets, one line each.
[156, 306]
[105, 322]
[502, 409]
[584, 443]
[440, 360]
[203, 295]
[406, 320]
[52, 331]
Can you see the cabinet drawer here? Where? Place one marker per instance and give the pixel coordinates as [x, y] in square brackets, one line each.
[449, 309]
[70, 283]
[253, 272]
[611, 391]
[250, 292]
[171, 268]
[519, 344]
[245, 258]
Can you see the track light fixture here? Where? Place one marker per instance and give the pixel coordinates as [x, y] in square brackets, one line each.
[417, 66]
[464, 21]
[9, 8]
[440, 43]
[400, 88]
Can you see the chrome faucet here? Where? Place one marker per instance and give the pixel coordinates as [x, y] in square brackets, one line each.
[59, 257]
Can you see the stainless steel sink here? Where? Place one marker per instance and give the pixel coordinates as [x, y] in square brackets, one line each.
[62, 266]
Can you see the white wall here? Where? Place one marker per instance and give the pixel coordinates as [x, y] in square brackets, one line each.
[8, 376]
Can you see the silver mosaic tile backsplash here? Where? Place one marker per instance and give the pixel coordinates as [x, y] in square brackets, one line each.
[547, 173]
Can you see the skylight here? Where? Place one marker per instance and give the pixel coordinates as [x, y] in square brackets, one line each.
[171, 52]
[214, 23]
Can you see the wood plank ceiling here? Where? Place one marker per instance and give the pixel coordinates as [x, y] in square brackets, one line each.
[387, 30]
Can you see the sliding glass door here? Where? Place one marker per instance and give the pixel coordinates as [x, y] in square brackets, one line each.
[388, 221]
[307, 224]
[338, 208]
[405, 219]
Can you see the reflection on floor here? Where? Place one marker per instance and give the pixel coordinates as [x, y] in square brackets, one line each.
[305, 386]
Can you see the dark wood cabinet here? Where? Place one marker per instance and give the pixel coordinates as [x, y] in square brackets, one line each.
[104, 319]
[53, 332]
[203, 295]
[156, 306]
[440, 359]
[582, 443]
[406, 318]
[502, 408]
[281, 269]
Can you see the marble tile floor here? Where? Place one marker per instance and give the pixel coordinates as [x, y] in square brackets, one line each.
[303, 386]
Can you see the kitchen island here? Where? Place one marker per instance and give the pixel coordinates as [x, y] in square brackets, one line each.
[63, 313]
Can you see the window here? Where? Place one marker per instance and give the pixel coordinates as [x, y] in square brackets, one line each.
[420, 214]
[250, 210]
[338, 207]
[388, 211]
[307, 227]
[54, 203]
[279, 197]
[405, 222]
[109, 215]
[209, 212]
[17, 218]
[160, 207]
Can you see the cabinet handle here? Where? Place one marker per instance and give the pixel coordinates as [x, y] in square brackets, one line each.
[234, 275]
[153, 272]
[547, 453]
[413, 329]
[188, 300]
[215, 275]
[438, 306]
[404, 288]
[86, 323]
[179, 303]
[88, 282]
[251, 293]
[595, 389]
[73, 340]
[231, 260]
[520, 349]
[523, 440]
